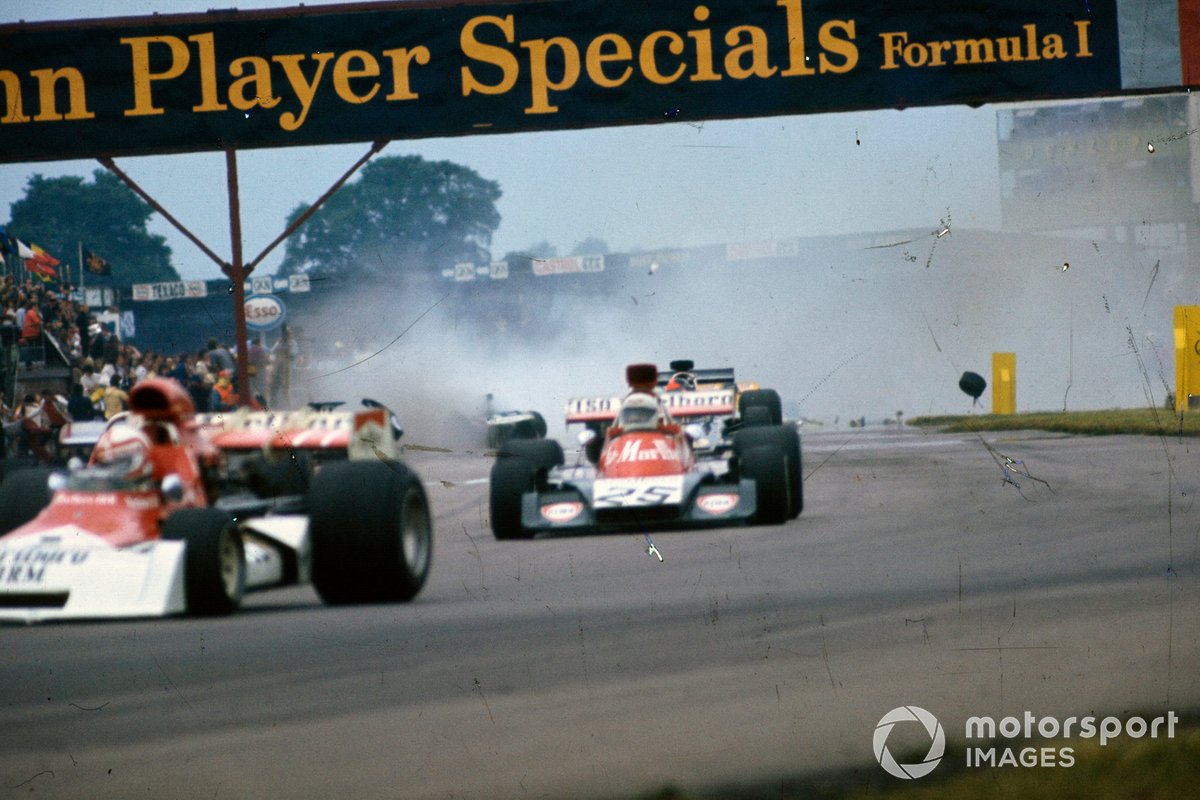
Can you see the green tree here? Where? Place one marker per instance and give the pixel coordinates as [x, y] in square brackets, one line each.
[403, 214]
[59, 213]
[591, 246]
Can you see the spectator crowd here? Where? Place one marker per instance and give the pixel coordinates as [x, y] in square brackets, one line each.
[104, 369]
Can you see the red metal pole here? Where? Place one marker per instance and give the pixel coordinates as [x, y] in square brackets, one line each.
[237, 277]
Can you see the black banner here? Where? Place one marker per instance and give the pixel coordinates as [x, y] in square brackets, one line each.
[176, 83]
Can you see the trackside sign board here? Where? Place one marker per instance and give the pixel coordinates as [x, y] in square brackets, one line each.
[390, 70]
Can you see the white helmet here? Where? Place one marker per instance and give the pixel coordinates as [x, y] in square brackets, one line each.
[639, 412]
[126, 447]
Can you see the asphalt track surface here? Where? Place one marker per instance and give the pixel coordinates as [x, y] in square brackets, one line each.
[581, 666]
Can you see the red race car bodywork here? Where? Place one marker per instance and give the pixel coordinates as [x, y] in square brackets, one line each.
[178, 513]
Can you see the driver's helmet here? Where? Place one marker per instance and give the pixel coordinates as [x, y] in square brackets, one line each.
[639, 412]
[125, 449]
[682, 381]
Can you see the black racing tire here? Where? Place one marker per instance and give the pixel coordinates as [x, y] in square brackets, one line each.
[543, 454]
[592, 449]
[525, 429]
[511, 478]
[786, 438]
[23, 495]
[756, 417]
[214, 559]
[289, 475]
[757, 436]
[371, 532]
[539, 424]
[13, 463]
[762, 397]
[791, 449]
[766, 465]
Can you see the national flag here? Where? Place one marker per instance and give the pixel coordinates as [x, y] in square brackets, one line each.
[41, 264]
[6, 244]
[96, 264]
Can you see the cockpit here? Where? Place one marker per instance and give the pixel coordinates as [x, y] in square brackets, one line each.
[640, 412]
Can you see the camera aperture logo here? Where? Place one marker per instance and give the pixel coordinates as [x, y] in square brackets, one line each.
[1010, 741]
[937, 745]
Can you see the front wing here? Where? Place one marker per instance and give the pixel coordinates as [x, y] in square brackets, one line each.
[672, 501]
[43, 579]
[67, 573]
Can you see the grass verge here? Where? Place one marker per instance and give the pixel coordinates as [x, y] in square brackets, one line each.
[1144, 421]
[1127, 769]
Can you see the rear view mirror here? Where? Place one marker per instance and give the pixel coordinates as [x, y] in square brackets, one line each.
[172, 487]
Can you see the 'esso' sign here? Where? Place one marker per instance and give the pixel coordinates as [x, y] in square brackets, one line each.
[264, 312]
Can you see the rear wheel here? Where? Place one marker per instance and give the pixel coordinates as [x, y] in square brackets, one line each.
[511, 478]
[543, 454]
[372, 536]
[767, 467]
[539, 424]
[23, 495]
[756, 417]
[769, 398]
[592, 449]
[214, 571]
[286, 476]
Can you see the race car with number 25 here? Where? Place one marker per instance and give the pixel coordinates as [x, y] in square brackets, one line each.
[649, 473]
[181, 513]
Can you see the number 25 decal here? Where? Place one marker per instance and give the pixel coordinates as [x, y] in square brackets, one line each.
[636, 496]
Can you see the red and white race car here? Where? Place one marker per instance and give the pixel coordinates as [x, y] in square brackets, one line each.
[649, 471]
[179, 513]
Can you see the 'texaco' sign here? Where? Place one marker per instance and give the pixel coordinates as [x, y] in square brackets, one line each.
[392, 70]
[264, 312]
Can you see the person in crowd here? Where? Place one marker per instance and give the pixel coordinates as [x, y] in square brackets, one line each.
[220, 358]
[224, 396]
[99, 341]
[112, 347]
[32, 430]
[6, 416]
[88, 377]
[180, 370]
[80, 406]
[259, 358]
[31, 324]
[31, 334]
[83, 321]
[200, 387]
[55, 412]
[115, 398]
[283, 356]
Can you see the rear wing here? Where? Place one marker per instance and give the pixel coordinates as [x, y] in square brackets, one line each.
[702, 403]
[719, 378]
[362, 434]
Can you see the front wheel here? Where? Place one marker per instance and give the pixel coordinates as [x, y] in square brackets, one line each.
[214, 572]
[767, 467]
[511, 478]
[786, 438]
[23, 495]
[372, 535]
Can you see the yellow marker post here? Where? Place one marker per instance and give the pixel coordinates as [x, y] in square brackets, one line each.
[1187, 358]
[1004, 383]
